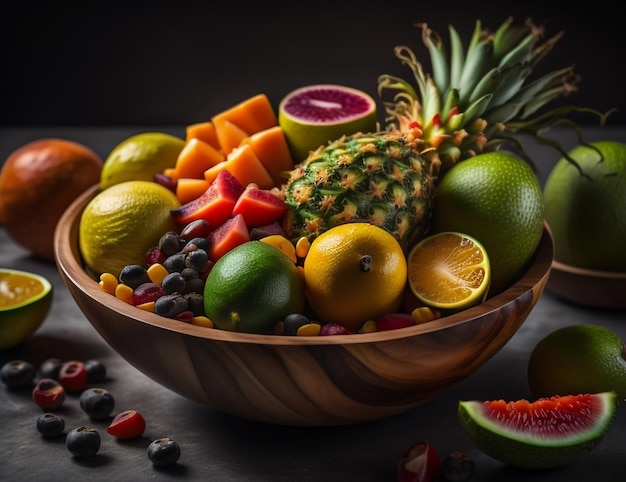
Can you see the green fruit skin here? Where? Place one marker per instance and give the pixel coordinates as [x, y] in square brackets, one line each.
[523, 206]
[258, 288]
[588, 217]
[512, 449]
[578, 359]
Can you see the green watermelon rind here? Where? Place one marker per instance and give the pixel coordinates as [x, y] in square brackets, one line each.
[524, 449]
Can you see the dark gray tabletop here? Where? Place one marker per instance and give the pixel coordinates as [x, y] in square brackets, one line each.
[219, 447]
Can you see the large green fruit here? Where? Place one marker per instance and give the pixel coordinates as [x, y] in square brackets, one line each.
[547, 433]
[587, 213]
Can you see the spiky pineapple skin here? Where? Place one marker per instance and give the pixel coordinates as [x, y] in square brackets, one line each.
[380, 178]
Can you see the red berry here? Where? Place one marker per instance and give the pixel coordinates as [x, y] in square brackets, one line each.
[73, 376]
[127, 425]
[48, 394]
[146, 292]
[420, 463]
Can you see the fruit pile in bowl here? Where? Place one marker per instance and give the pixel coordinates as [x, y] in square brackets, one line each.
[351, 284]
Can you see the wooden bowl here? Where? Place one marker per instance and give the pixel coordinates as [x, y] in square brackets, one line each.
[302, 381]
[588, 288]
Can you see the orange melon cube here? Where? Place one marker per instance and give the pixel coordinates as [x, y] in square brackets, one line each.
[171, 173]
[205, 131]
[188, 189]
[243, 163]
[251, 115]
[270, 146]
[196, 157]
[229, 135]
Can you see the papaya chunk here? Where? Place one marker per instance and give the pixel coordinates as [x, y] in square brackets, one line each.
[259, 207]
[205, 131]
[251, 115]
[245, 166]
[229, 135]
[270, 146]
[195, 158]
[188, 189]
[229, 235]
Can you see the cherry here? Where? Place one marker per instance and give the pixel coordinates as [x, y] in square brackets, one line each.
[127, 425]
[48, 394]
[420, 463]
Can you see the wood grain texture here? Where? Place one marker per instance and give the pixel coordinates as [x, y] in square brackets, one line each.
[302, 381]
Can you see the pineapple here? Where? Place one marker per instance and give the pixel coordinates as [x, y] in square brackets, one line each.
[481, 100]
[380, 178]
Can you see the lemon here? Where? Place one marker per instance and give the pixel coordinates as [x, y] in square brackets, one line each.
[353, 273]
[495, 198]
[574, 359]
[120, 224]
[25, 300]
[449, 271]
[587, 214]
[312, 116]
[252, 287]
[139, 157]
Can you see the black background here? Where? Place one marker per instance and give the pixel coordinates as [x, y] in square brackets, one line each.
[175, 63]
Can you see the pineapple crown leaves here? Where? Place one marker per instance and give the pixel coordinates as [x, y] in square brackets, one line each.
[480, 97]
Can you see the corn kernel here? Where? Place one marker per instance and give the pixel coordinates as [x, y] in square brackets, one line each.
[369, 327]
[310, 329]
[302, 247]
[124, 293]
[424, 314]
[156, 273]
[108, 283]
[147, 306]
[202, 321]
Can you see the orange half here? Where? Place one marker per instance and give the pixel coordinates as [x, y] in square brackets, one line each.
[449, 271]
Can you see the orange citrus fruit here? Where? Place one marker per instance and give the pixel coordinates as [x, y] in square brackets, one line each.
[252, 287]
[38, 182]
[353, 273]
[449, 271]
[587, 213]
[496, 198]
[120, 224]
[25, 300]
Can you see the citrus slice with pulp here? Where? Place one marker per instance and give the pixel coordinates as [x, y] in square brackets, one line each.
[25, 300]
[449, 271]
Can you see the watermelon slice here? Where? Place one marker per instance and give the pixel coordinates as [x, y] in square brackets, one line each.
[547, 433]
[229, 235]
[215, 205]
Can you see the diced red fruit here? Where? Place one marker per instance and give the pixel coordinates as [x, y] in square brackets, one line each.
[146, 292]
[127, 425]
[229, 235]
[154, 256]
[185, 316]
[330, 329]
[394, 321]
[215, 205]
[48, 394]
[259, 207]
[420, 463]
[73, 376]
[200, 228]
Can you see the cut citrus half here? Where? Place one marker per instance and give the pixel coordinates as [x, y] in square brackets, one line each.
[449, 271]
[25, 300]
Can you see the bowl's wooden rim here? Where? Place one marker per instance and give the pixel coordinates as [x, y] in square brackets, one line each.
[69, 265]
[588, 273]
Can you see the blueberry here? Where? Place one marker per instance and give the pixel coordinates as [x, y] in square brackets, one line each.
[195, 303]
[197, 259]
[163, 452]
[50, 425]
[170, 306]
[170, 243]
[50, 368]
[457, 467]
[83, 441]
[189, 273]
[175, 263]
[96, 371]
[195, 285]
[293, 322]
[97, 403]
[17, 374]
[134, 275]
[196, 243]
[173, 283]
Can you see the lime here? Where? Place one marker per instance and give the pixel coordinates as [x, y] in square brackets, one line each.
[25, 300]
[449, 271]
[120, 224]
[578, 359]
[354, 272]
[139, 157]
[587, 213]
[549, 432]
[251, 288]
[312, 116]
[495, 198]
